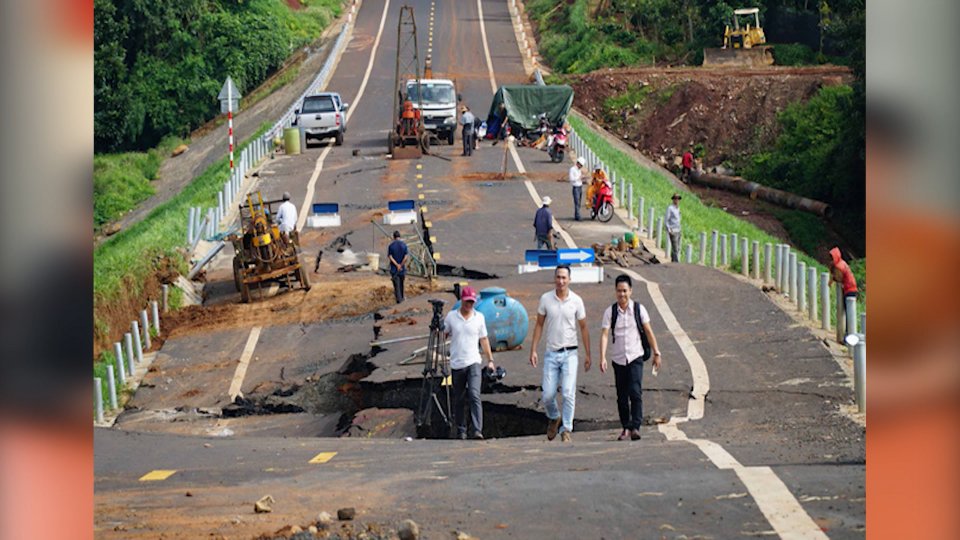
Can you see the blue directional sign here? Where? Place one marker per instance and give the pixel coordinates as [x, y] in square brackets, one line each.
[544, 258]
[578, 255]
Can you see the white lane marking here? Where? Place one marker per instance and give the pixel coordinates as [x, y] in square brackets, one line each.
[241, 371]
[513, 151]
[486, 49]
[773, 498]
[311, 185]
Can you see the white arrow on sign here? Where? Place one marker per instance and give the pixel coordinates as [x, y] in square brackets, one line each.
[574, 255]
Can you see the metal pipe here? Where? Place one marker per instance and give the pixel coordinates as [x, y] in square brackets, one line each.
[736, 245]
[860, 374]
[165, 290]
[724, 248]
[630, 203]
[850, 309]
[756, 259]
[660, 232]
[650, 224]
[640, 214]
[801, 286]
[118, 356]
[825, 301]
[397, 340]
[689, 253]
[155, 308]
[768, 263]
[98, 398]
[792, 286]
[758, 191]
[779, 281]
[841, 320]
[703, 248]
[206, 258]
[812, 282]
[128, 341]
[137, 344]
[145, 327]
[713, 248]
[745, 258]
[190, 225]
[111, 387]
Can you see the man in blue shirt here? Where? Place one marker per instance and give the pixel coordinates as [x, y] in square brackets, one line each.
[397, 254]
[543, 225]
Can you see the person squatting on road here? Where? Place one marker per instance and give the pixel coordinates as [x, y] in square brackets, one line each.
[633, 343]
[561, 311]
[597, 179]
[467, 330]
[466, 120]
[398, 254]
[673, 227]
[287, 216]
[543, 225]
[575, 176]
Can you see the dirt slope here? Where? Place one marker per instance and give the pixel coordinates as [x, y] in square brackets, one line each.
[731, 112]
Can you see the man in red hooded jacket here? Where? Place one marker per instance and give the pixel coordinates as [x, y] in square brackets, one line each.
[840, 273]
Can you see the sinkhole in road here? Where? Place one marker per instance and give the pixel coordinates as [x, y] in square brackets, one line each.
[390, 409]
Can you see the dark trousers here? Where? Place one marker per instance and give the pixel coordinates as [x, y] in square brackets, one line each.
[629, 379]
[397, 286]
[577, 201]
[466, 384]
[468, 142]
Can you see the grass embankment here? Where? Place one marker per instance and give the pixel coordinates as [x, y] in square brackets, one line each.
[125, 266]
[122, 181]
[697, 216]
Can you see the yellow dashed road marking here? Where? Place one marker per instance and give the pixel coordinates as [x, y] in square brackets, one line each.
[157, 475]
[322, 457]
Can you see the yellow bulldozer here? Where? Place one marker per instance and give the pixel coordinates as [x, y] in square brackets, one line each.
[743, 46]
[262, 252]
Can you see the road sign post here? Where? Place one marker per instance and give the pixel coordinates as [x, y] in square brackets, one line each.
[229, 101]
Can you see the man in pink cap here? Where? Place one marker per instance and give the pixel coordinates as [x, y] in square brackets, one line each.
[467, 330]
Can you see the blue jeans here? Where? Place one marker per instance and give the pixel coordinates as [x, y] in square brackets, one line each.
[577, 201]
[560, 367]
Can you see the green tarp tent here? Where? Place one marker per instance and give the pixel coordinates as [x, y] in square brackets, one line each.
[525, 103]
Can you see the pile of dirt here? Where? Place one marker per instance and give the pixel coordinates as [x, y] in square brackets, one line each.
[732, 113]
[340, 297]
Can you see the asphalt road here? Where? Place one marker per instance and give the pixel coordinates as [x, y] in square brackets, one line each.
[760, 449]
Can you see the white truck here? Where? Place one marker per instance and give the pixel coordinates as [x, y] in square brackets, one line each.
[322, 116]
[438, 98]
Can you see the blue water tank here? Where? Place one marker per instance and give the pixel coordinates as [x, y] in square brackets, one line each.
[506, 318]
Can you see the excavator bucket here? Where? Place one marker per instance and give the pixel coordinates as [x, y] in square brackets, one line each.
[757, 56]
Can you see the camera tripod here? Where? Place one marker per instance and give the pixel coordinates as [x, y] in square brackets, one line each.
[436, 370]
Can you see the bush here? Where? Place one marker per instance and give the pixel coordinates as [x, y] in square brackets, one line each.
[793, 54]
[121, 181]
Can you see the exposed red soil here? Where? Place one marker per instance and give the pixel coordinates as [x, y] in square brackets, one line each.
[731, 112]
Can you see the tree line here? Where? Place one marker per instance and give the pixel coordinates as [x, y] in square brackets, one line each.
[159, 64]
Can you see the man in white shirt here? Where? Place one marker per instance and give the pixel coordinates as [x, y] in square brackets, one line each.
[673, 227]
[576, 181]
[467, 330]
[287, 215]
[561, 311]
[467, 120]
[627, 353]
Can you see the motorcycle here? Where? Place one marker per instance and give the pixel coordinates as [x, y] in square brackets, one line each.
[603, 203]
[558, 147]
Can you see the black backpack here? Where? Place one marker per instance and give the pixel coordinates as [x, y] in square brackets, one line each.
[636, 316]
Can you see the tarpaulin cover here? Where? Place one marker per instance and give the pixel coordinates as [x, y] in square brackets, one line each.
[525, 103]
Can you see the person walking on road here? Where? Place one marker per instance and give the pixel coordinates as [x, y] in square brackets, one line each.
[561, 311]
[543, 225]
[467, 330]
[466, 120]
[633, 343]
[673, 227]
[398, 254]
[576, 182]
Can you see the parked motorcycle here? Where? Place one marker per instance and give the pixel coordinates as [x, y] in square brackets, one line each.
[603, 204]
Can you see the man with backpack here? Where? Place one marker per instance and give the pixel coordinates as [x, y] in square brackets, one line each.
[633, 343]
